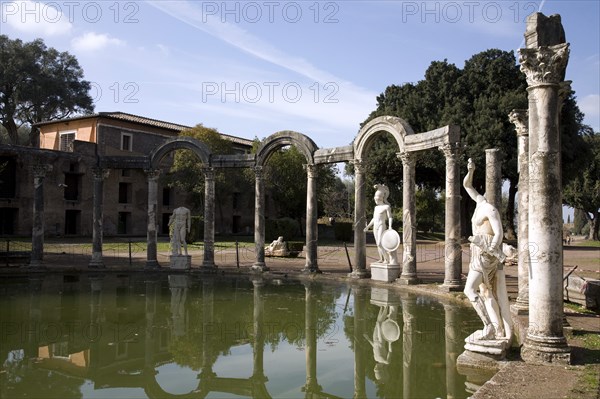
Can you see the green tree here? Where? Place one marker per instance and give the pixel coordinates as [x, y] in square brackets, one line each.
[285, 178]
[478, 98]
[187, 174]
[38, 83]
[583, 191]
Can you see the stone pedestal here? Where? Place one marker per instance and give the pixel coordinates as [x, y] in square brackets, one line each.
[385, 272]
[180, 262]
[494, 349]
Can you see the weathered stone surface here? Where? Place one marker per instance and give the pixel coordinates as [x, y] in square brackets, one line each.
[180, 262]
[544, 31]
[384, 272]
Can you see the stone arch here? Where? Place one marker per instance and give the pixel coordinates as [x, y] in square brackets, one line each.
[307, 147]
[286, 137]
[397, 127]
[188, 143]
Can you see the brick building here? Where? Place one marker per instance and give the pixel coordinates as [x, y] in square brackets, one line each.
[73, 147]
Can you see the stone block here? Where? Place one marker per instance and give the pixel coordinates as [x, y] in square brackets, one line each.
[384, 272]
[180, 262]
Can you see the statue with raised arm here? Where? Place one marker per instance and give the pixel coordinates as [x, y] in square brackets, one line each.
[484, 288]
[180, 223]
[382, 214]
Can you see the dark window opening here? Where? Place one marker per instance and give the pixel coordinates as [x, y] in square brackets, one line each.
[124, 193]
[165, 223]
[8, 177]
[8, 220]
[72, 186]
[72, 220]
[236, 200]
[236, 224]
[166, 196]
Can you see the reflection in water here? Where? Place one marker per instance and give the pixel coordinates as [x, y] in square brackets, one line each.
[186, 336]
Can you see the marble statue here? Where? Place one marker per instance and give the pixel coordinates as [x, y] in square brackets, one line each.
[277, 248]
[381, 214]
[485, 286]
[180, 223]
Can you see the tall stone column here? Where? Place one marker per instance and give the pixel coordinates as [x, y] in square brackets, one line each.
[37, 234]
[360, 242]
[544, 63]
[209, 218]
[259, 220]
[519, 118]
[493, 178]
[151, 259]
[99, 175]
[452, 248]
[311, 220]
[409, 229]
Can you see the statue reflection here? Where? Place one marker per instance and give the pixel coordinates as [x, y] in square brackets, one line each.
[178, 284]
[385, 333]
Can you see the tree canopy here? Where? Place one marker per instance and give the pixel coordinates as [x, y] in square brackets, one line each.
[478, 98]
[583, 191]
[38, 83]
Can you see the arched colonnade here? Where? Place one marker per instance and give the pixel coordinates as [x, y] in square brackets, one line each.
[409, 144]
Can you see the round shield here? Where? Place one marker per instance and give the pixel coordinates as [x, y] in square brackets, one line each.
[390, 240]
[390, 330]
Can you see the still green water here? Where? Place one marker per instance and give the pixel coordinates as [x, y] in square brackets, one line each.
[181, 336]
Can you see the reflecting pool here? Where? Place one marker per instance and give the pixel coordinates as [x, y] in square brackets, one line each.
[194, 336]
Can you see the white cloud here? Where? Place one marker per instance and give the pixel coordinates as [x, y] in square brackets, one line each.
[94, 41]
[35, 18]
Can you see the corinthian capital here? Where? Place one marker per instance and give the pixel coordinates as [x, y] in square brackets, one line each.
[450, 150]
[545, 64]
[408, 158]
[360, 166]
[311, 170]
[520, 118]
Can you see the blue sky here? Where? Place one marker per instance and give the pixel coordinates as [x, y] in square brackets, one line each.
[251, 69]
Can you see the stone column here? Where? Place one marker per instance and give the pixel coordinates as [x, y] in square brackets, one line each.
[37, 234]
[152, 176]
[519, 118]
[493, 178]
[311, 221]
[454, 347]
[452, 248]
[409, 230]
[360, 242]
[544, 63]
[209, 218]
[408, 339]
[99, 175]
[259, 220]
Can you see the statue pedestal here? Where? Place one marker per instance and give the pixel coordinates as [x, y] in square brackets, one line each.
[492, 348]
[181, 262]
[385, 272]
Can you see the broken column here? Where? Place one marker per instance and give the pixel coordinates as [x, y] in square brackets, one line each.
[519, 118]
[544, 62]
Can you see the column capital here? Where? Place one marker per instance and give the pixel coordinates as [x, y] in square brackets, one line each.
[520, 118]
[209, 172]
[360, 166]
[41, 169]
[450, 150]
[258, 171]
[311, 170]
[100, 173]
[544, 64]
[152, 174]
[408, 158]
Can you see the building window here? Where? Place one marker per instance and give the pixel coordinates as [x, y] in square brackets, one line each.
[71, 186]
[126, 140]
[72, 220]
[66, 140]
[126, 172]
[8, 220]
[124, 193]
[236, 200]
[8, 177]
[166, 196]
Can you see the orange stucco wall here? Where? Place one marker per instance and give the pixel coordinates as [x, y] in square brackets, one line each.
[49, 134]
